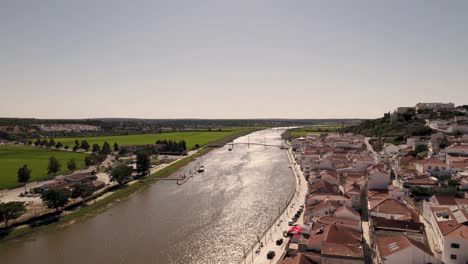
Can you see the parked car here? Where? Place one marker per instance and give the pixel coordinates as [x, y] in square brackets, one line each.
[291, 222]
[271, 254]
[279, 242]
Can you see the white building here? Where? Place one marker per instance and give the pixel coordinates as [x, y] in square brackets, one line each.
[379, 177]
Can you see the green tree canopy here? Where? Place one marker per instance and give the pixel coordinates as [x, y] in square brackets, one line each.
[121, 173]
[106, 148]
[143, 163]
[54, 166]
[24, 174]
[52, 142]
[71, 165]
[96, 148]
[85, 145]
[81, 190]
[55, 198]
[10, 211]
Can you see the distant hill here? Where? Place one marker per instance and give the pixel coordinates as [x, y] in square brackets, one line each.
[395, 125]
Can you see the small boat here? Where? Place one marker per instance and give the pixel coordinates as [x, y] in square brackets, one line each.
[201, 168]
[230, 149]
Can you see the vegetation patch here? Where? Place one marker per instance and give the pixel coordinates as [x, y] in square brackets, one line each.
[37, 159]
[192, 138]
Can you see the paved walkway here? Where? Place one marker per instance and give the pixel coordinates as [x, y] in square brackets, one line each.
[276, 230]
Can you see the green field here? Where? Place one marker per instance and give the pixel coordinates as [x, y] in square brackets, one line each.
[317, 129]
[192, 138]
[37, 159]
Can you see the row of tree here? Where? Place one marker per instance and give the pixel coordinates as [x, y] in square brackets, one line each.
[106, 148]
[171, 146]
[47, 143]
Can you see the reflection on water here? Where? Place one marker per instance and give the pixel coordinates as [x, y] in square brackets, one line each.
[209, 219]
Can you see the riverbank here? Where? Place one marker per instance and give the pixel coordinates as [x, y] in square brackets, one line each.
[116, 196]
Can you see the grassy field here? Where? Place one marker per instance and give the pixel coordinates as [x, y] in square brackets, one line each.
[37, 159]
[192, 138]
[317, 129]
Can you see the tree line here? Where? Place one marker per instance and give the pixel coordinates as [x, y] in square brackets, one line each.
[171, 146]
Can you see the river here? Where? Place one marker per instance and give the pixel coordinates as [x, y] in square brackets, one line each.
[209, 219]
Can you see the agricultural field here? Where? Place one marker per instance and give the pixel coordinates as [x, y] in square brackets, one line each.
[317, 129]
[192, 138]
[37, 159]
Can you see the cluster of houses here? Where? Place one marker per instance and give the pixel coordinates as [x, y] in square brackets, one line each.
[353, 189]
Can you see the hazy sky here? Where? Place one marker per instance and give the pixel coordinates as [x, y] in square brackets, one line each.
[229, 59]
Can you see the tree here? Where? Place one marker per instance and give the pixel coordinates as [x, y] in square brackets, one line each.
[30, 142]
[24, 174]
[71, 165]
[59, 145]
[54, 166]
[106, 148]
[116, 146]
[96, 148]
[77, 145]
[38, 142]
[55, 198]
[120, 173]
[52, 142]
[420, 148]
[10, 211]
[91, 160]
[85, 145]
[45, 143]
[81, 190]
[143, 163]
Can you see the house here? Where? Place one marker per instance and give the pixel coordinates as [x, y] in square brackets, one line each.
[438, 200]
[413, 142]
[432, 165]
[392, 209]
[323, 186]
[329, 176]
[361, 163]
[401, 249]
[396, 193]
[78, 178]
[390, 149]
[450, 233]
[352, 188]
[457, 149]
[345, 212]
[379, 177]
[336, 244]
[301, 258]
[313, 199]
[320, 209]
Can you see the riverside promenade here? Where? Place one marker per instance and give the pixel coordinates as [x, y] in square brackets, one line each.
[281, 224]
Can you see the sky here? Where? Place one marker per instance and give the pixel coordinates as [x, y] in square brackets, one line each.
[229, 59]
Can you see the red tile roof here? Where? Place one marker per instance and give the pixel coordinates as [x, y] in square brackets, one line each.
[390, 245]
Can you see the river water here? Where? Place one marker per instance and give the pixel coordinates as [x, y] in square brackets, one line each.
[209, 219]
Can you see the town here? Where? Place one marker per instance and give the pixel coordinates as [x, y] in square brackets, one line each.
[374, 200]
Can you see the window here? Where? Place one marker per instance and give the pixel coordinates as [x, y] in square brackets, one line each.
[453, 256]
[455, 245]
